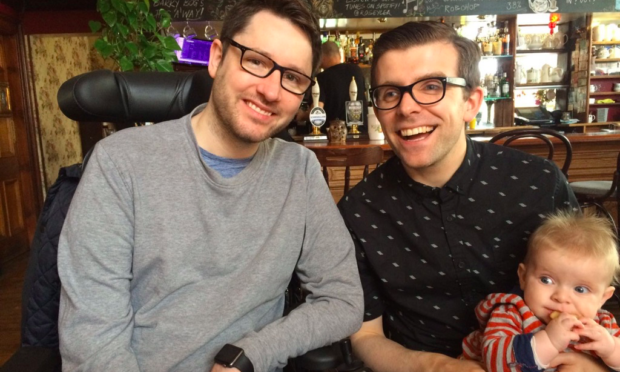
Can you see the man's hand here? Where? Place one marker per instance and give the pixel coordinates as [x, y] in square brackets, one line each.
[221, 368]
[447, 364]
[577, 362]
[384, 355]
[561, 331]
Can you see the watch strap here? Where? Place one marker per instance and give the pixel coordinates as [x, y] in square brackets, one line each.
[243, 364]
[231, 356]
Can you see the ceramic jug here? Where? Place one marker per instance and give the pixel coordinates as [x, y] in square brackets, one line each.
[534, 41]
[559, 39]
[610, 31]
[533, 76]
[521, 43]
[556, 74]
[602, 52]
[520, 76]
[598, 32]
[374, 127]
[337, 131]
[549, 42]
[545, 73]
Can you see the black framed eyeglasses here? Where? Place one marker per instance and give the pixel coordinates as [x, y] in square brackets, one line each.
[259, 65]
[425, 92]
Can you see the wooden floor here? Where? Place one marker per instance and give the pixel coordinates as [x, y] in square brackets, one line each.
[11, 282]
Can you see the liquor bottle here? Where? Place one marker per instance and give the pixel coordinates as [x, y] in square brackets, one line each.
[505, 85]
[361, 51]
[506, 40]
[353, 51]
[346, 47]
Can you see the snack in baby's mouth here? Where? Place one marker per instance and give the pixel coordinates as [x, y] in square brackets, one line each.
[556, 314]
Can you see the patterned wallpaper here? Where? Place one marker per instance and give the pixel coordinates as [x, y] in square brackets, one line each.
[55, 59]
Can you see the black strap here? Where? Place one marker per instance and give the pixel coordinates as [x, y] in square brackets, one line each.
[244, 364]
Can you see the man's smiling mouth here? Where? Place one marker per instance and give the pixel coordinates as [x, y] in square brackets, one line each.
[258, 109]
[412, 133]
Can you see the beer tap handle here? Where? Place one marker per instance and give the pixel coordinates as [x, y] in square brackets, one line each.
[316, 91]
[353, 89]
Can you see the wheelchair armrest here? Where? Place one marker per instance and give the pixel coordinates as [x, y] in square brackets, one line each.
[34, 359]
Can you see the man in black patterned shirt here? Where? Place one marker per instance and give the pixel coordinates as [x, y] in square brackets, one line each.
[445, 221]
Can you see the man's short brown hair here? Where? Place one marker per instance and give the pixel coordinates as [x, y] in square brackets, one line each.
[296, 11]
[419, 33]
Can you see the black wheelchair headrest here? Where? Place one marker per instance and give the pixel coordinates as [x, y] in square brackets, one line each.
[104, 95]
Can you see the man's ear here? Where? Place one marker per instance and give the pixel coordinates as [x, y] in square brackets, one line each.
[521, 272]
[472, 104]
[215, 57]
[609, 291]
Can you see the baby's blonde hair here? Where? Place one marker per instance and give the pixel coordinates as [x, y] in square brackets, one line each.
[585, 234]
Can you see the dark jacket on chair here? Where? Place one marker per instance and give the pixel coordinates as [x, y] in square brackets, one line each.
[41, 293]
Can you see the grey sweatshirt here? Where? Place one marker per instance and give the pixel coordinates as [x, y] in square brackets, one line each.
[163, 261]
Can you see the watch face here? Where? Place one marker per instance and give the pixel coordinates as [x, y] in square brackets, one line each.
[228, 355]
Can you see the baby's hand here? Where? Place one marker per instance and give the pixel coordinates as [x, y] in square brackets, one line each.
[599, 341]
[561, 331]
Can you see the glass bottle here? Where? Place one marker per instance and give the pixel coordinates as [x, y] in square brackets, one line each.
[506, 40]
[361, 50]
[505, 85]
[353, 51]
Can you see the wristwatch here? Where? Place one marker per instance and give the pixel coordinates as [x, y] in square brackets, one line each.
[231, 356]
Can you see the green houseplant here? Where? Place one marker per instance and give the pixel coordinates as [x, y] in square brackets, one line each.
[133, 37]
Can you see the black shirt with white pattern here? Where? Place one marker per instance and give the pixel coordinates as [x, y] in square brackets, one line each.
[428, 255]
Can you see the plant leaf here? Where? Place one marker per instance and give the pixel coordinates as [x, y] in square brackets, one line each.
[132, 48]
[126, 64]
[150, 20]
[103, 6]
[119, 5]
[163, 65]
[171, 43]
[169, 54]
[149, 52]
[104, 48]
[122, 29]
[132, 19]
[148, 4]
[94, 26]
[109, 18]
[143, 8]
[164, 18]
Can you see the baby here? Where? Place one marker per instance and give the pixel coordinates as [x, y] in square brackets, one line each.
[566, 277]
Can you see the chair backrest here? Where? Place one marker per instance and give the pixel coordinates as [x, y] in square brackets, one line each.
[542, 134]
[348, 157]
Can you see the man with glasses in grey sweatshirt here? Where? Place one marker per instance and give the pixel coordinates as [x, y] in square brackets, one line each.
[182, 236]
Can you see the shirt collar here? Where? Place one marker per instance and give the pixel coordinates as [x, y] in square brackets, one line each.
[463, 177]
[459, 183]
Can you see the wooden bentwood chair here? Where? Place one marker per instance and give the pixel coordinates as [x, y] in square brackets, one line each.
[348, 157]
[542, 134]
[595, 193]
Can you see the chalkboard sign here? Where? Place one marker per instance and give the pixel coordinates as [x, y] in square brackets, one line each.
[411, 8]
[195, 10]
[203, 10]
